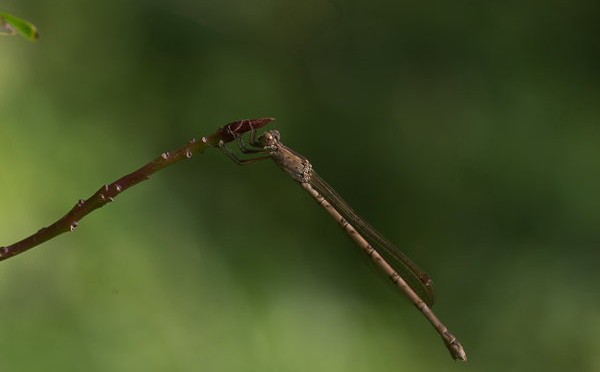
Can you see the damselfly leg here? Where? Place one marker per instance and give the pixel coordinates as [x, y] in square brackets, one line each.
[254, 149]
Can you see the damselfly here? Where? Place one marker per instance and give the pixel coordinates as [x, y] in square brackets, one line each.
[404, 273]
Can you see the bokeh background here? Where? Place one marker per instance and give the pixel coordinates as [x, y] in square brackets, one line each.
[467, 132]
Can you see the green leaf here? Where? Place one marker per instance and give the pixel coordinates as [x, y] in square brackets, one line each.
[10, 25]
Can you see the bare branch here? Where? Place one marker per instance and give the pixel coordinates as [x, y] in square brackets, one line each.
[109, 192]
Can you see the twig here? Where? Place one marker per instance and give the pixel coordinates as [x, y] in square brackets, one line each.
[109, 192]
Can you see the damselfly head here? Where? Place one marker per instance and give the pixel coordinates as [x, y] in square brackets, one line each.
[269, 139]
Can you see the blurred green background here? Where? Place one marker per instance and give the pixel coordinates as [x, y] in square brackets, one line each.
[467, 132]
